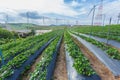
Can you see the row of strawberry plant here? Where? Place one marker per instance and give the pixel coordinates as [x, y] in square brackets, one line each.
[20, 48]
[114, 29]
[7, 70]
[4, 41]
[110, 32]
[41, 69]
[81, 63]
[15, 43]
[10, 45]
[106, 35]
[112, 52]
[10, 54]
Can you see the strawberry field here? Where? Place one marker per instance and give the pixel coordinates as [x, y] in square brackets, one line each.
[90, 53]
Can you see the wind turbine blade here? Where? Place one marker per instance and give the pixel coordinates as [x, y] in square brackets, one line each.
[90, 11]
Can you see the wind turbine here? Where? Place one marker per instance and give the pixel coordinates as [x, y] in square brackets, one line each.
[92, 10]
[104, 16]
[92, 22]
[100, 4]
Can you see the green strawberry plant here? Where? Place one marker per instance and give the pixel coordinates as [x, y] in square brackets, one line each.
[112, 52]
[41, 69]
[81, 63]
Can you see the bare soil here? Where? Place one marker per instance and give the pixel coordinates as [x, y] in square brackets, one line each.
[26, 74]
[60, 72]
[115, 47]
[97, 65]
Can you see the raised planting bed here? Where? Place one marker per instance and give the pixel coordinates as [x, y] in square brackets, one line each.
[78, 66]
[60, 72]
[14, 52]
[110, 51]
[45, 68]
[110, 42]
[112, 65]
[111, 32]
[14, 68]
[24, 45]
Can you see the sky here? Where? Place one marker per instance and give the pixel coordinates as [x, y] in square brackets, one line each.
[64, 11]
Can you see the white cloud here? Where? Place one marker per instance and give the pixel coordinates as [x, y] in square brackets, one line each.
[75, 4]
[82, 11]
[42, 6]
[112, 8]
[56, 7]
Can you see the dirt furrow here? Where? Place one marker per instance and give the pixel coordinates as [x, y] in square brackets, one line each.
[98, 66]
[60, 72]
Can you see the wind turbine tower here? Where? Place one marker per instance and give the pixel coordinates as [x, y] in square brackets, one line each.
[99, 15]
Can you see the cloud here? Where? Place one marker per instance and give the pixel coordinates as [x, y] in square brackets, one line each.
[75, 4]
[31, 15]
[7, 17]
[83, 11]
[58, 16]
[69, 9]
[111, 8]
[42, 6]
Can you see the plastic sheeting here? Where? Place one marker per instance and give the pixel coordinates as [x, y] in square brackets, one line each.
[12, 56]
[72, 73]
[19, 70]
[51, 66]
[113, 65]
[111, 42]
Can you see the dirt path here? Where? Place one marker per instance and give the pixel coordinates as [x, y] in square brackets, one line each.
[60, 72]
[26, 75]
[115, 47]
[99, 67]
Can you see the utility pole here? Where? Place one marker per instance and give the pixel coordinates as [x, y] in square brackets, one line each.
[118, 19]
[110, 20]
[56, 21]
[6, 21]
[27, 17]
[93, 15]
[68, 23]
[76, 22]
[64, 21]
[43, 20]
[104, 19]
[27, 14]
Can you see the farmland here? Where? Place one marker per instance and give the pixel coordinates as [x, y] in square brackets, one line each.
[82, 52]
[59, 39]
